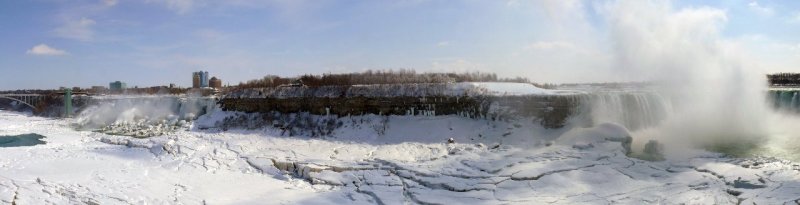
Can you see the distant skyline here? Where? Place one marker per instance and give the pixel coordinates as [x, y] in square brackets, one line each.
[51, 43]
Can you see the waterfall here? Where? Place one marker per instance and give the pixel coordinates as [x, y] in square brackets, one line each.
[632, 109]
[171, 109]
[784, 100]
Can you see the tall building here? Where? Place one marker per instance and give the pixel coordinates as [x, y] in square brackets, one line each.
[215, 82]
[200, 79]
[204, 79]
[196, 80]
[117, 86]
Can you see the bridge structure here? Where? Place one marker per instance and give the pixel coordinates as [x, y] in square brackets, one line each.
[30, 100]
[37, 102]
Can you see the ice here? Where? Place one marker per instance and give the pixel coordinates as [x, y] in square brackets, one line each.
[255, 167]
[142, 116]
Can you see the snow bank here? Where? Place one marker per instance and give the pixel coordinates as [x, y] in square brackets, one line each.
[503, 89]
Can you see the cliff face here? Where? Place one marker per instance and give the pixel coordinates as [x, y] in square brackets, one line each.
[551, 111]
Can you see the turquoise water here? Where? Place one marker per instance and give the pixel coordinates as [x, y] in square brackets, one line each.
[785, 100]
[21, 140]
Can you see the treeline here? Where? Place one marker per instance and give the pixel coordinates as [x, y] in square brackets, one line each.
[155, 90]
[370, 77]
[784, 79]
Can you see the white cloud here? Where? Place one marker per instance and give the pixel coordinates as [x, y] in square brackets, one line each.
[795, 18]
[45, 50]
[110, 3]
[179, 6]
[443, 44]
[209, 35]
[563, 10]
[77, 29]
[512, 3]
[549, 45]
[761, 10]
[773, 55]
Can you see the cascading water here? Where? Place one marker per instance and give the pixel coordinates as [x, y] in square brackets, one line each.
[634, 110]
[784, 100]
[142, 116]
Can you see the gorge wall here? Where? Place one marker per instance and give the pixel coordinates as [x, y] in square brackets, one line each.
[550, 111]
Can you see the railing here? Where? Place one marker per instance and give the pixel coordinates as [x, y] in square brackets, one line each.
[29, 100]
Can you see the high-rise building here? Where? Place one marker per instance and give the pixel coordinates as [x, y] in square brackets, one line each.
[215, 82]
[204, 79]
[200, 79]
[117, 86]
[196, 80]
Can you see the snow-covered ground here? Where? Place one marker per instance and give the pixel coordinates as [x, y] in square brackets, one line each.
[259, 167]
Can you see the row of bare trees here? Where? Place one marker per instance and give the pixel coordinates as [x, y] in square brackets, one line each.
[371, 77]
[784, 79]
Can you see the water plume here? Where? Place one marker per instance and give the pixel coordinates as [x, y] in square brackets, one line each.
[716, 95]
[137, 115]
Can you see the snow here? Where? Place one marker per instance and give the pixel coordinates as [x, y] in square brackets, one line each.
[142, 116]
[498, 88]
[355, 166]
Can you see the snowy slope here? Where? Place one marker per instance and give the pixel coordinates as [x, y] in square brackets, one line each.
[505, 88]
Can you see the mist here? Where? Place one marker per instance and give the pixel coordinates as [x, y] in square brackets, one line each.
[717, 93]
[143, 110]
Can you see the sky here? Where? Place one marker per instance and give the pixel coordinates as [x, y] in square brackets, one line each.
[46, 44]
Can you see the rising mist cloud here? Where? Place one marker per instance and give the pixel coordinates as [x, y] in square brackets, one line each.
[716, 89]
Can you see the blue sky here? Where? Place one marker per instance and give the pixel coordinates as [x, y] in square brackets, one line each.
[52, 43]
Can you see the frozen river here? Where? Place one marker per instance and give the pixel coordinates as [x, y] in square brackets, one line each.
[257, 167]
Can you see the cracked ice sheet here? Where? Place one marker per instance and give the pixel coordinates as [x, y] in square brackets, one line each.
[75, 168]
[135, 177]
[235, 167]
